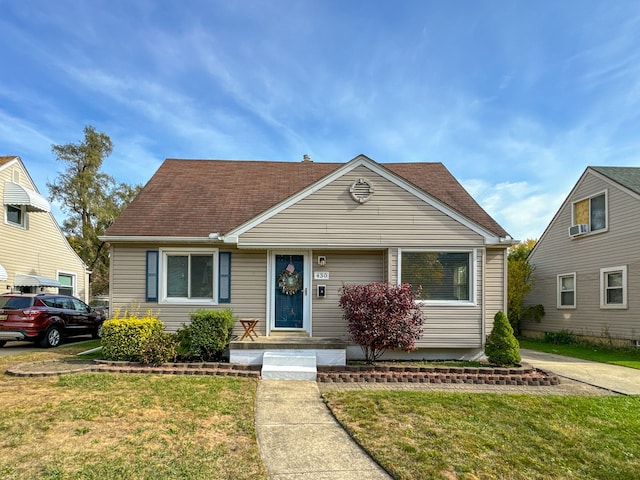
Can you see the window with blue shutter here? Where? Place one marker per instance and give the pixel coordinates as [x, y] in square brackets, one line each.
[152, 276]
[224, 277]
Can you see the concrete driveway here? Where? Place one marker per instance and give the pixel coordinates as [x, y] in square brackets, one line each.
[611, 377]
[14, 348]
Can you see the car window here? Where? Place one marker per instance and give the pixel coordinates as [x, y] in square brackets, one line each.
[17, 303]
[65, 303]
[49, 301]
[79, 306]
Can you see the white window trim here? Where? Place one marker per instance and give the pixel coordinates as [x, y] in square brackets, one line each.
[606, 212]
[162, 276]
[74, 280]
[473, 276]
[603, 287]
[559, 291]
[23, 210]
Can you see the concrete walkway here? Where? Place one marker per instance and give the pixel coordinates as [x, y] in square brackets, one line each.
[300, 439]
[618, 379]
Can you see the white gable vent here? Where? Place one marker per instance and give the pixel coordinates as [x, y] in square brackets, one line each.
[579, 229]
[361, 190]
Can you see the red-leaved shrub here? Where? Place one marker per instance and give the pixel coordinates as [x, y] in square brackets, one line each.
[381, 316]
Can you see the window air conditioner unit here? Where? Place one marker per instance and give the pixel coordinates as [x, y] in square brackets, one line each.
[579, 229]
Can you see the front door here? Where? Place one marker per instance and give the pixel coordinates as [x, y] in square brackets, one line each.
[290, 291]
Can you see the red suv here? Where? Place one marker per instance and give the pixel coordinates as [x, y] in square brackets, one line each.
[46, 318]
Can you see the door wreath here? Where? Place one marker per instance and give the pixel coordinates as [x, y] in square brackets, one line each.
[289, 281]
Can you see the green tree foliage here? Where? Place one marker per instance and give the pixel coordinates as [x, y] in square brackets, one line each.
[502, 348]
[520, 284]
[91, 199]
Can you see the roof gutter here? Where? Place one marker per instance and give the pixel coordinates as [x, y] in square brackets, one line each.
[212, 237]
[503, 242]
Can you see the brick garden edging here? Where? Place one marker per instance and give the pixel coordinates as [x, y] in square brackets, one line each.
[57, 367]
[524, 375]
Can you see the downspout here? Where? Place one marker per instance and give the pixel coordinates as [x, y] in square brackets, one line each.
[483, 330]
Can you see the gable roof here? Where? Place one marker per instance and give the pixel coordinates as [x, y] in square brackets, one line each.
[6, 159]
[628, 177]
[192, 198]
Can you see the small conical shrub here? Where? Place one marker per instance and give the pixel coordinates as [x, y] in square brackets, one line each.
[502, 347]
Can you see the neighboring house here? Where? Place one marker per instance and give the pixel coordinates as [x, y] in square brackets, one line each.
[277, 240]
[587, 262]
[34, 254]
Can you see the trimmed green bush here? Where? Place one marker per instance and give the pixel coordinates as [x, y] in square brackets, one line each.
[124, 337]
[563, 337]
[207, 336]
[502, 347]
[159, 348]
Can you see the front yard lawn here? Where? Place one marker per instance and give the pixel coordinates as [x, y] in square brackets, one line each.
[438, 435]
[626, 357]
[117, 426]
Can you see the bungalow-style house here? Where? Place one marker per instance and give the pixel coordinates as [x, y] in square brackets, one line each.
[34, 254]
[587, 261]
[276, 241]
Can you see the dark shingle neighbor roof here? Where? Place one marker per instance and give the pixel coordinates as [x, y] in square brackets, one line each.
[6, 159]
[626, 176]
[192, 198]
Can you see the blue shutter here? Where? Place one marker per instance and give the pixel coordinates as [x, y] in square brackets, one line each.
[152, 275]
[224, 277]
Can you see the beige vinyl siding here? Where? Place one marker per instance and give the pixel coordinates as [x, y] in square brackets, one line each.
[347, 268]
[248, 286]
[446, 327]
[40, 248]
[496, 281]
[330, 216]
[557, 254]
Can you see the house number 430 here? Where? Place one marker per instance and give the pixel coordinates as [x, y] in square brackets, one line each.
[321, 275]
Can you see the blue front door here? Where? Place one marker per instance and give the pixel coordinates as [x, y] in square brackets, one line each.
[289, 291]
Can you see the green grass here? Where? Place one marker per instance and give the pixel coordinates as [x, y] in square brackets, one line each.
[597, 353]
[117, 426]
[433, 435]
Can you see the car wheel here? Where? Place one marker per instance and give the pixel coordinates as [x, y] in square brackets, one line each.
[52, 338]
[98, 333]
[2, 343]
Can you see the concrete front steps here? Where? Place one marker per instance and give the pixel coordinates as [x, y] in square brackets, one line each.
[289, 365]
[325, 351]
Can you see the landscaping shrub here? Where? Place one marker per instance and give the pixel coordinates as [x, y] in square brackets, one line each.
[159, 348]
[382, 316]
[123, 337]
[563, 337]
[207, 336]
[502, 347]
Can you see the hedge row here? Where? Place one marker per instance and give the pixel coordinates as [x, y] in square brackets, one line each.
[143, 339]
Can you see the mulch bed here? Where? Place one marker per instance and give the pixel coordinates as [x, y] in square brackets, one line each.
[523, 375]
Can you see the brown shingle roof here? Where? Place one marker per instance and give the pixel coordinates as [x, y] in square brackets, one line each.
[6, 159]
[192, 198]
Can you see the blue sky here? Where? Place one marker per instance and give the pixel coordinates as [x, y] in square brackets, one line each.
[516, 98]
